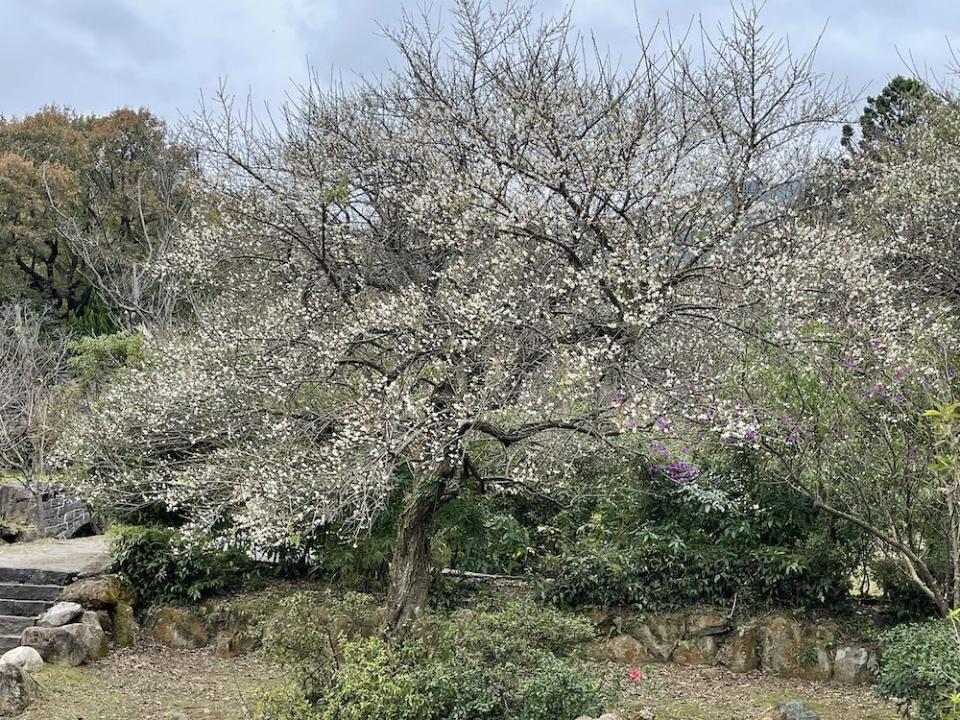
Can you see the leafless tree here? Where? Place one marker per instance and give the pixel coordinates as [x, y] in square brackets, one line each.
[33, 366]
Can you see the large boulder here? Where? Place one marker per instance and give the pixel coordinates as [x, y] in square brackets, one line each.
[25, 658]
[795, 652]
[660, 634]
[124, 625]
[702, 635]
[176, 628]
[17, 690]
[781, 645]
[854, 665]
[57, 646]
[707, 625]
[91, 634]
[63, 613]
[625, 649]
[99, 593]
[696, 651]
[18, 504]
[740, 652]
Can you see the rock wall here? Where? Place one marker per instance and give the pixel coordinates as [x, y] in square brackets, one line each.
[776, 644]
[49, 510]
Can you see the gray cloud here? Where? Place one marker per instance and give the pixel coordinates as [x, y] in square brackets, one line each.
[95, 55]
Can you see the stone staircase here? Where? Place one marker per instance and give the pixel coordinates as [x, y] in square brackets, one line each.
[25, 593]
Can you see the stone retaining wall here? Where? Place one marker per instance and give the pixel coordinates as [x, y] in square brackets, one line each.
[48, 509]
[776, 644]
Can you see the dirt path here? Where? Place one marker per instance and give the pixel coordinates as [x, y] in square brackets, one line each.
[153, 683]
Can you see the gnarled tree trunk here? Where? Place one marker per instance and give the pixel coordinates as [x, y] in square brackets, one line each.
[410, 566]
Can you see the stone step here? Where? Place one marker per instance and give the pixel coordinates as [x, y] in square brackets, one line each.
[23, 608]
[9, 642]
[14, 625]
[26, 591]
[33, 576]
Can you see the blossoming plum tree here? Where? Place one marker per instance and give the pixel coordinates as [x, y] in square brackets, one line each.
[510, 253]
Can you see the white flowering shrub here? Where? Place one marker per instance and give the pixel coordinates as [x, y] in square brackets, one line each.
[837, 404]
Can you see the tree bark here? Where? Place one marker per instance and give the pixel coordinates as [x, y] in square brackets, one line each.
[410, 566]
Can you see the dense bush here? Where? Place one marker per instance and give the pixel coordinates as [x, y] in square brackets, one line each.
[920, 666]
[903, 598]
[645, 535]
[94, 358]
[510, 663]
[165, 568]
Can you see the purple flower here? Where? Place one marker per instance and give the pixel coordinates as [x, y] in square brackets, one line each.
[849, 363]
[682, 473]
[618, 400]
[911, 453]
[661, 449]
[793, 437]
[663, 424]
[952, 374]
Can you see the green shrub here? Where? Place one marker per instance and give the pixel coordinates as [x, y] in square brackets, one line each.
[309, 628]
[659, 544]
[165, 568]
[94, 358]
[510, 663]
[904, 598]
[920, 666]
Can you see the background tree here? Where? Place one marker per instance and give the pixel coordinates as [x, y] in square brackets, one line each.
[83, 202]
[870, 344]
[902, 103]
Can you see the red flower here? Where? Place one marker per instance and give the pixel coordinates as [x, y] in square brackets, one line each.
[635, 675]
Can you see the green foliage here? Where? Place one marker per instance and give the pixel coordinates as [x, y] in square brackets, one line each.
[489, 533]
[484, 664]
[95, 358]
[905, 600]
[659, 545]
[920, 665]
[93, 318]
[165, 568]
[307, 631]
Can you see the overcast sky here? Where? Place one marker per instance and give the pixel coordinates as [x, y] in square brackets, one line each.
[95, 55]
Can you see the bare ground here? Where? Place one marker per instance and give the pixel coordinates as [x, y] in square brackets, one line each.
[710, 693]
[154, 683]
